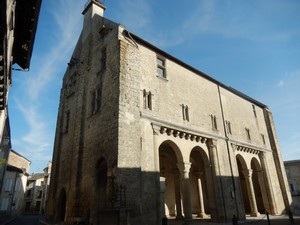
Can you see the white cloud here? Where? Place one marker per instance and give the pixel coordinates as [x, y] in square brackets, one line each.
[66, 35]
[37, 143]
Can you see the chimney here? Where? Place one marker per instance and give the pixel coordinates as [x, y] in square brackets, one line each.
[94, 7]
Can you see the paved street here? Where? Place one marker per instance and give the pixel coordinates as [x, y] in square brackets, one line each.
[27, 220]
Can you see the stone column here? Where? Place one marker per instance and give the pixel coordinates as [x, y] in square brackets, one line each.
[184, 168]
[177, 194]
[162, 196]
[251, 193]
[217, 210]
[160, 206]
[267, 182]
[201, 212]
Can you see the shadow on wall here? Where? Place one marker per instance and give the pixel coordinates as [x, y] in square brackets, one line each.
[147, 197]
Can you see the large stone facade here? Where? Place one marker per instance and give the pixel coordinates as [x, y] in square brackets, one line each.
[141, 135]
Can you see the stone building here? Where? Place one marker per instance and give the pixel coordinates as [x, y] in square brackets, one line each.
[37, 191]
[142, 135]
[292, 169]
[12, 194]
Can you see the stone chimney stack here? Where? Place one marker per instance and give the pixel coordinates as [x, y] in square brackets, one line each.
[92, 9]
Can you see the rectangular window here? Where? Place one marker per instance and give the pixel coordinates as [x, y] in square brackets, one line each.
[248, 134]
[161, 69]
[66, 122]
[185, 112]
[39, 194]
[254, 111]
[292, 188]
[147, 98]
[8, 185]
[96, 100]
[228, 127]
[4, 204]
[214, 122]
[263, 139]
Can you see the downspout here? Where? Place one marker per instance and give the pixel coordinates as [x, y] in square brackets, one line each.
[228, 152]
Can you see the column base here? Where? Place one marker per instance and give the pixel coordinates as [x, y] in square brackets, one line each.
[202, 215]
[255, 214]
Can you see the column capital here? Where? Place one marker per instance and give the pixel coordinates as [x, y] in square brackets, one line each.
[262, 155]
[234, 147]
[247, 173]
[212, 143]
[155, 128]
[184, 168]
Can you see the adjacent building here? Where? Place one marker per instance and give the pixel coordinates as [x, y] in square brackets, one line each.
[142, 136]
[36, 195]
[19, 20]
[292, 169]
[12, 194]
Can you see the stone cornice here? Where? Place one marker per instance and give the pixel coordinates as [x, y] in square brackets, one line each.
[242, 147]
[176, 130]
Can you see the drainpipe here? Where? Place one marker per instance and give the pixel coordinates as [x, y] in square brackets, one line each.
[228, 152]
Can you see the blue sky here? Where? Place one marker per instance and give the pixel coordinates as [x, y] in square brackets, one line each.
[252, 46]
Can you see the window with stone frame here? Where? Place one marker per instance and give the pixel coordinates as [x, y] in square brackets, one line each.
[214, 122]
[254, 110]
[248, 134]
[96, 101]
[263, 138]
[228, 127]
[66, 122]
[161, 67]
[147, 99]
[185, 112]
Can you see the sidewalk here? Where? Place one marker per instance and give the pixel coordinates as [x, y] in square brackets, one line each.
[261, 220]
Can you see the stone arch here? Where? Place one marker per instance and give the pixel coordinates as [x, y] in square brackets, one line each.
[61, 206]
[200, 180]
[169, 157]
[258, 185]
[242, 166]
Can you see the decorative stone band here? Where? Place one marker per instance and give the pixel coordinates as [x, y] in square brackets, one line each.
[182, 134]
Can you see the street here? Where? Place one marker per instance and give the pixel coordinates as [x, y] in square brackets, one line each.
[27, 220]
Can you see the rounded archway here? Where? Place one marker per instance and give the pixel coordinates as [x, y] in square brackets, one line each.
[61, 206]
[169, 156]
[101, 181]
[200, 180]
[258, 185]
[242, 169]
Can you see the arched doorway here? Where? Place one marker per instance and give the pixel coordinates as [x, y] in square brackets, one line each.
[61, 207]
[200, 177]
[101, 182]
[242, 167]
[258, 185]
[169, 156]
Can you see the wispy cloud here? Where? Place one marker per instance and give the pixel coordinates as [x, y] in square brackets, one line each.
[228, 20]
[37, 143]
[66, 35]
